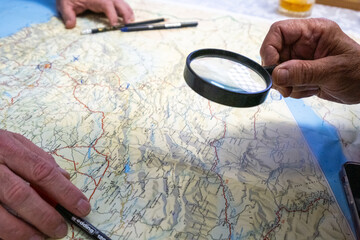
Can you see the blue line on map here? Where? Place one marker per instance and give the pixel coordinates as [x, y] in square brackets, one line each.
[127, 165]
[128, 85]
[89, 152]
[127, 168]
[324, 142]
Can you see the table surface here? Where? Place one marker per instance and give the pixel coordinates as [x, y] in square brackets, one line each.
[349, 20]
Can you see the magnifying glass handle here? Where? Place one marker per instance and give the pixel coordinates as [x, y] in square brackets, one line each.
[270, 68]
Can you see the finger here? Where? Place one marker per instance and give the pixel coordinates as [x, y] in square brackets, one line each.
[43, 175]
[302, 72]
[108, 8]
[284, 91]
[274, 47]
[125, 11]
[32, 147]
[269, 49]
[10, 225]
[304, 94]
[21, 198]
[65, 173]
[292, 39]
[67, 13]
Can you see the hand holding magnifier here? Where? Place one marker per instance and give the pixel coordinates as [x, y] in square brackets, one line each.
[227, 78]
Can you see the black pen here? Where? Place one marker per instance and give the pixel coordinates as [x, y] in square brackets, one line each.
[113, 28]
[158, 26]
[81, 223]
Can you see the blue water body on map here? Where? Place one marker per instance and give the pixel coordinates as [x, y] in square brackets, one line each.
[127, 168]
[324, 142]
[15, 15]
[127, 165]
[89, 152]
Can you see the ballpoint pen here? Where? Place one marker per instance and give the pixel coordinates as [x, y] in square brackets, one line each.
[158, 26]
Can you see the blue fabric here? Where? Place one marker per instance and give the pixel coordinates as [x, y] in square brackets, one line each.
[15, 15]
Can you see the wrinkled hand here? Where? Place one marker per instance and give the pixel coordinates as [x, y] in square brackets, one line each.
[22, 162]
[112, 9]
[315, 57]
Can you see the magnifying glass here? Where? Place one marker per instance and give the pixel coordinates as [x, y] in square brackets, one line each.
[227, 78]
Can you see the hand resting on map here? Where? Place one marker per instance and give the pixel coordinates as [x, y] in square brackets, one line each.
[315, 57]
[23, 213]
[112, 9]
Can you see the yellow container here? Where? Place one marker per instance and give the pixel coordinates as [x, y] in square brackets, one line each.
[296, 8]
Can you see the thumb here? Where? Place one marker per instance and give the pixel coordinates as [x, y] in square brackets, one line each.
[294, 73]
[68, 15]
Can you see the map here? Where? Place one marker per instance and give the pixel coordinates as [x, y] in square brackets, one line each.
[156, 160]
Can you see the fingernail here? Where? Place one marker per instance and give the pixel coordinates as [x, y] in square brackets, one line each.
[36, 237]
[84, 207]
[282, 76]
[69, 24]
[61, 230]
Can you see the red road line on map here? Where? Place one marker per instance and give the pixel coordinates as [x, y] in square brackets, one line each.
[214, 166]
[72, 161]
[97, 139]
[266, 237]
[19, 93]
[73, 231]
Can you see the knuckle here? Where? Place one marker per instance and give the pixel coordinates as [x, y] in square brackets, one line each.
[7, 146]
[305, 73]
[14, 228]
[49, 218]
[108, 5]
[15, 233]
[17, 193]
[70, 192]
[43, 172]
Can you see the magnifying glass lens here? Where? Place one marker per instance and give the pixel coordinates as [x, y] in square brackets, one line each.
[227, 78]
[227, 74]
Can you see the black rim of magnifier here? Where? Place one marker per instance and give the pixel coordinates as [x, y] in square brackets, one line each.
[221, 95]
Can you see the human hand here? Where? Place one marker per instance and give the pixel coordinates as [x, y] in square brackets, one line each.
[22, 162]
[315, 57]
[112, 9]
